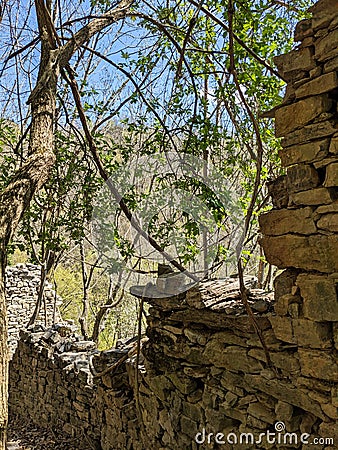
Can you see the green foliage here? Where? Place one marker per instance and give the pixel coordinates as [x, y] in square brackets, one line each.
[166, 84]
[121, 321]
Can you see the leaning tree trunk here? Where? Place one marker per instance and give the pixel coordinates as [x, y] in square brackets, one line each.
[15, 199]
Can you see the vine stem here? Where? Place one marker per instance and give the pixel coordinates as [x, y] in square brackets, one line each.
[259, 164]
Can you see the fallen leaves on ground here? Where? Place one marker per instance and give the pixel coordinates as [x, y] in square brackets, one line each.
[24, 435]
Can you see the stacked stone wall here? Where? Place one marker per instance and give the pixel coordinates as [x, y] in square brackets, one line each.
[52, 383]
[202, 370]
[22, 287]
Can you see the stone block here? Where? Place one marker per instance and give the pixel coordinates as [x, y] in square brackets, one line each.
[327, 47]
[323, 163]
[262, 413]
[317, 196]
[318, 364]
[323, 13]
[328, 222]
[335, 335]
[282, 327]
[312, 334]
[313, 384]
[294, 310]
[330, 410]
[325, 83]
[286, 391]
[309, 133]
[194, 412]
[309, 152]
[232, 358]
[290, 117]
[183, 383]
[232, 382]
[331, 65]
[233, 413]
[286, 361]
[284, 411]
[303, 29]
[188, 426]
[331, 178]
[334, 396]
[316, 72]
[196, 336]
[308, 420]
[315, 252]
[284, 283]
[334, 145]
[325, 209]
[283, 221]
[319, 293]
[278, 191]
[283, 303]
[329, 430]
[295, 60]
[301, 178]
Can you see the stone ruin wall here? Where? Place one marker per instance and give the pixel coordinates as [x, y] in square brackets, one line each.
[203, 366]
[22, 287]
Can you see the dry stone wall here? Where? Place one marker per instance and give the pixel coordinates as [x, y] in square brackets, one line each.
[204, 380]
[52, 381]
[22, 286]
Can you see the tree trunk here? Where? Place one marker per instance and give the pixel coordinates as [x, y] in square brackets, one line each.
[15, 199]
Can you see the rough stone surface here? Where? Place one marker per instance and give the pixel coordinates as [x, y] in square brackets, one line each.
[320, 85]
[22, 285]
[319, 364]
[283, 221]
[327, 47]
[295, 61]
[319, 295]
[334, 145]
[302, 177]
[303, 30]
[278, 192]
[296, 115]
[331, 65]
[310, 132]
[331, 179]
[304, 153]
[328, 222]
[323, 13]
[308, 253]
[318, 196]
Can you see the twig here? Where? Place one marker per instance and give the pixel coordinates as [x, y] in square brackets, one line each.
[70, 78]
[259, 163]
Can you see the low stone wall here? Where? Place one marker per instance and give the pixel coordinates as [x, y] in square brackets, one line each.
[22, 286]
[51, 382]
[204, 371]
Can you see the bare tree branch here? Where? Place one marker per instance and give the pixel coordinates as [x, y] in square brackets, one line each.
[237, 39]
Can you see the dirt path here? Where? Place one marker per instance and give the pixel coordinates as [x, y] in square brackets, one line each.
[23, 435]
